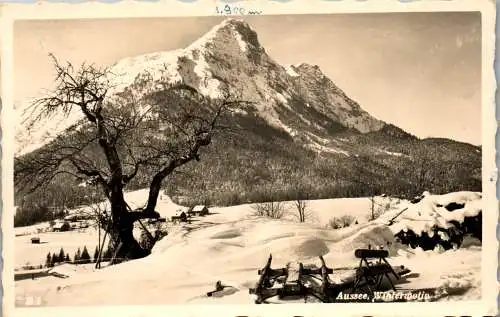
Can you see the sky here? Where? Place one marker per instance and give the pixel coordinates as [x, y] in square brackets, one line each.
[419, 71]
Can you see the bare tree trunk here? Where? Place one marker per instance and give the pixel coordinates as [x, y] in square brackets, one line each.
[373, 207]
[121, 230]
[121, 234]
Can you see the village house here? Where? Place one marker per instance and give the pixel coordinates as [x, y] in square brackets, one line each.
[182, 217]
[199, 210]
[61, 226]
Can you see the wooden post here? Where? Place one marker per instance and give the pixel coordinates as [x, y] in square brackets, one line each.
[97, 263]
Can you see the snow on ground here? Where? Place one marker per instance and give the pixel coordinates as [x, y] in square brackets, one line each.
[27, 253]
[392, 153]
[282, 99]
[455, 272]
[241, 43]
[290, 71]
[231, 243]
[72, 270]
[70, 241]
[31, 230]
[319, 144]
[321, 148]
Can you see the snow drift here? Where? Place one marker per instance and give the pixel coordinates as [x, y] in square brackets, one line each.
[231, 243]
[437, 220]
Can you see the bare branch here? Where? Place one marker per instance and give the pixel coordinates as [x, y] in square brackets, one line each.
[138, 131]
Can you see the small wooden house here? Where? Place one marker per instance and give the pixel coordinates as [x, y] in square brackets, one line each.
[35, 240]
[182, 217]
[199, 210]
[61, 226]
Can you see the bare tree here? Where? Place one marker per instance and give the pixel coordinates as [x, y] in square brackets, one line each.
[301, 209]
[272, 209]
[372, 201]
[145, 129]
[301, 197]
[101, 218]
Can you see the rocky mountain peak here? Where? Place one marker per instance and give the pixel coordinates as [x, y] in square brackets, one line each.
[229, 32]
[298, 99]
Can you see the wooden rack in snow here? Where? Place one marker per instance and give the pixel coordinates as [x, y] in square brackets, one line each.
[295, 280]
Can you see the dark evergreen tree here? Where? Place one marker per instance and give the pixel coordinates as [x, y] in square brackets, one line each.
[77, 256]
[61, 255]
[48, 261]
[55, 259]
[85, 257]
[67, 259]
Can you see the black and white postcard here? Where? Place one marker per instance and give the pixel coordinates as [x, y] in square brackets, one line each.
[249, 158]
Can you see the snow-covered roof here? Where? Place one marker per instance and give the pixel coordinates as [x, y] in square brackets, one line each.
[199, 208]
[59, 225]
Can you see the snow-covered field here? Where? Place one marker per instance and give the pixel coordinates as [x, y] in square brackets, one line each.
[231, 243]
[27, 253]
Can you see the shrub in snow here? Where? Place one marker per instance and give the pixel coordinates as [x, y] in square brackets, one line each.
[341, 222]
[145, 240]
[440, 221]
[273, 209]
[334, 223]
[446, 238]
[151, 234]
[28, 266]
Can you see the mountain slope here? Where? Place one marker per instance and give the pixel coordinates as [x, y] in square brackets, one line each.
[230, 57]
[301, 132]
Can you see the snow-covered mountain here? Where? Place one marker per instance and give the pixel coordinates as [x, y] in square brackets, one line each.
[301, 129]
[298, 99]
[230, 57]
